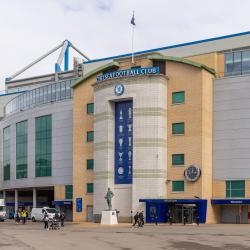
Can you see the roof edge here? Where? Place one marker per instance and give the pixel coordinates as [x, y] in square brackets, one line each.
[95, 71]
[181, 60]
[171, 46]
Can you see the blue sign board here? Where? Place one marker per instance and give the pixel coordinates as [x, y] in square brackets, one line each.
[128, 72]
[230, 201]
[78, 205]
[123, 142]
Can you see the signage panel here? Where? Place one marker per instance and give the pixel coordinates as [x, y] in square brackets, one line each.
[123, 142]
[78, 205]
[128, 72]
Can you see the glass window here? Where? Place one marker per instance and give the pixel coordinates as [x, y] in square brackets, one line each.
[178, 97]
[178, 128]
[237, 63]
[21, 150]
[161, 64]
[178, 159]
[90, 164]
[68, 192]
[246, 62]
[43, 145]
[90, 136]
[90, 188]
[177, 186]
[90, 108]
[235, 189]
[6, 153]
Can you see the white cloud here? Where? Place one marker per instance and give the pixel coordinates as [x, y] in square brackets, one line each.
[101, 28]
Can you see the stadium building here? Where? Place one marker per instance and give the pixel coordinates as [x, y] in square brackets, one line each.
[168, 133]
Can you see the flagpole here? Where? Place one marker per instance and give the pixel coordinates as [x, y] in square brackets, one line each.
[133, 27]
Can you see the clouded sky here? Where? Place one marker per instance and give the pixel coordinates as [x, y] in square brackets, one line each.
[101, 28]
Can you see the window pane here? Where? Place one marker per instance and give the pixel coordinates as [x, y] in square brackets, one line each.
[228, 64]
[237, 63]
[90, 136]
[178, 97]
[90, 108]
[177, 186]
[68, 192]
[90, 187]
[178, 128]
[43, 146]
[235, 189]
[21, 150]
[178, 159]
[90, 164]
[6, 153]
[246, 62]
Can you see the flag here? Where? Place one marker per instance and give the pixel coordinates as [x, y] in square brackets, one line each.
[133, 20]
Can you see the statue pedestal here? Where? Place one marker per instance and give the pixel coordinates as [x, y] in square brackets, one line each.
[109, 217]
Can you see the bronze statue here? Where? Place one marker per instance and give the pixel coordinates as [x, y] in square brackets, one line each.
[109, 195]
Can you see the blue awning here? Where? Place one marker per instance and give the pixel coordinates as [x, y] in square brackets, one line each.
[230, 201]
[175, 201]
[62, 202]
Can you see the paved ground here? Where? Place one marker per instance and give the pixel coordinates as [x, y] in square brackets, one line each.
[124, 237]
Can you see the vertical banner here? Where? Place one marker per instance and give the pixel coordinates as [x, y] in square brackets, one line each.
[79, 205]
[123, 142]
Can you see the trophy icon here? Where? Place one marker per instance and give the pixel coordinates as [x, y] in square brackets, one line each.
[129, 127]
[130, 113]
[129, 169]
[130, 141]
[120, 115]
[129, 155]
[120, 156]
[120, 141]
[120, 129]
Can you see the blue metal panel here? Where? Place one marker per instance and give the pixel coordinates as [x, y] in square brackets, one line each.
[57, 68]
[62, 202]
[66, 59]
[123, 142]
[230, 201]
[78, 205]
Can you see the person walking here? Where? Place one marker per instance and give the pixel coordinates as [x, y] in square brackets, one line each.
[46, 221]
[169, 217]
[62, 218]
[136, 217]
[141, 219]
[16, 216]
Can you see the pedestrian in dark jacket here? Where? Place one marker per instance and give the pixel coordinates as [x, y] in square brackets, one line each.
[136, 217]
[46, 221]
[62, 218]
[141, 219]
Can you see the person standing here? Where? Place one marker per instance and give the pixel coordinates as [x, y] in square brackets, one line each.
[46, 221]
[136, 217]
[155, 218]
[62, 218]
[23, 215]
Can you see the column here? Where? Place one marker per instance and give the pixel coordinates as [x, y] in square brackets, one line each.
[34, 197]
[4, 195]
[16, 199]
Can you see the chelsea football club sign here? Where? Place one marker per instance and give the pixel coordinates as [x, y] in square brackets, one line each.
[128, 72]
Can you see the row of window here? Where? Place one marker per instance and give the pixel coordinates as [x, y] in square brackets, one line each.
[69, 190]
[43, 148]
[237, 63]
[234, 189]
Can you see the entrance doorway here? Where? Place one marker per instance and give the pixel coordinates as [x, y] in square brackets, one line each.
[90, 215]
[187, 212]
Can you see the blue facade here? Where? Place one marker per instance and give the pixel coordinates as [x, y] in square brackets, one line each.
[123, 142]
[161, 207]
